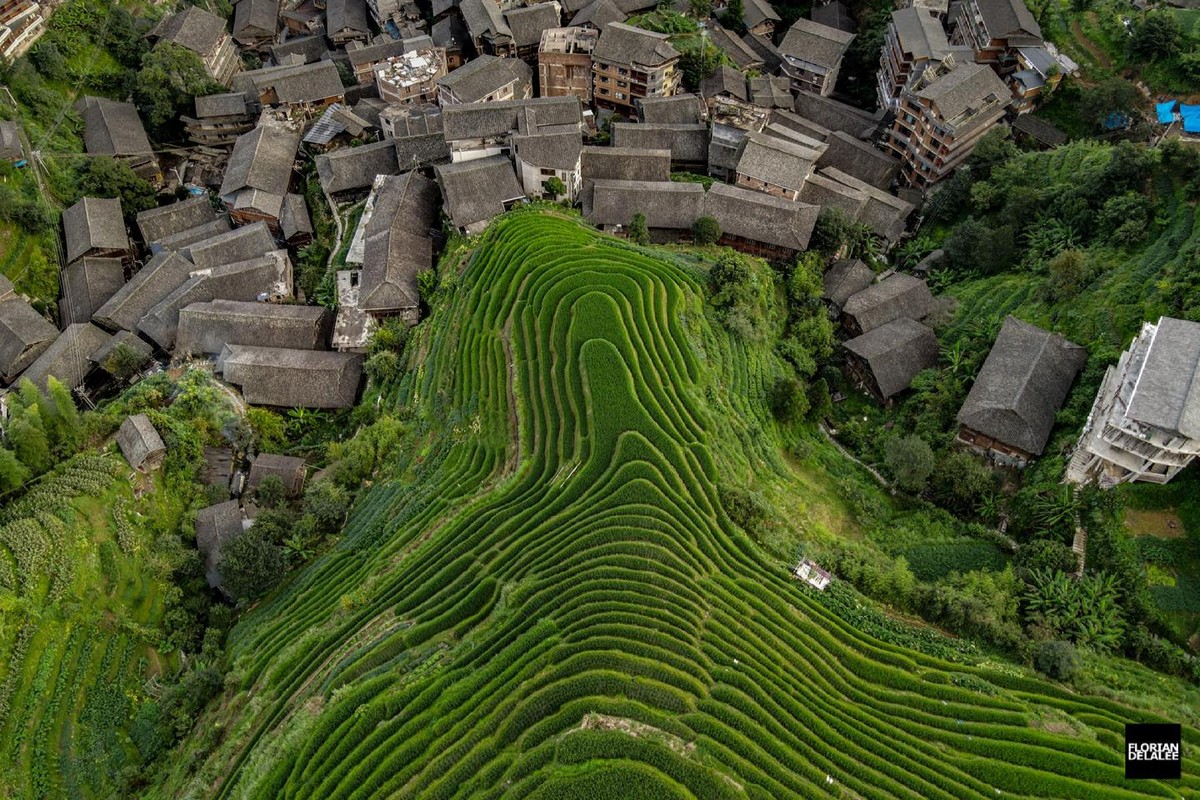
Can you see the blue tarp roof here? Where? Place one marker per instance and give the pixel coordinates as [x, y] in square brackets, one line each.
[1191, 118]
[1166, 112]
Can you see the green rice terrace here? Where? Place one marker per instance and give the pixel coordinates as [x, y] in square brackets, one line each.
[546, 599]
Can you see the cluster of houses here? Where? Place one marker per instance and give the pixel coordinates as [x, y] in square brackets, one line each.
[143, 448]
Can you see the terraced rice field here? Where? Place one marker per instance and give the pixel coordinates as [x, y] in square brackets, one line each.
[551, 602]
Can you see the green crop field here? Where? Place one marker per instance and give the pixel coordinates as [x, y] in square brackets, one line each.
[548, 601]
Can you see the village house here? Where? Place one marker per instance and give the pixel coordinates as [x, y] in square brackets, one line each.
[884, 360]
[844, 279]
[596, 14]
[620, 164]
[397, 230]
[286, 378]
[1145, 422]
[345, 22]
[86, 285]
[161, 275]
[1038, 72]
[205, 328]
[478, 130]
[68, 358]
[1009, 412]
[898, 296]
[812, 56]
[259, 173]
[912, 42]
[732, 120]
[759, 18]
[215, 526]
[994, 29]
[351, 170]
[688, 143]
[565, 62]
[813, 575]
[295, 223]
[297, 51]
[486, 79]
[305, 89]
[140, 443]
[742, 55]
[221, 118]
[337, 126]
[527, 25]
[114, 129]
[363, 58]
[942, 115]
[680, 109]
[95, 227]
[540, 157]
[204, 34]
[255, 22]
[411, 77]
[289, 469]
[886, 214]
[156, 224]
[486, 28]
[774, 166]
[834, 15]
[475, 191]
[24, 335]
[628, 64]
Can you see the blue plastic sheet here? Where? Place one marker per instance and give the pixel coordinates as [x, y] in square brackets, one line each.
[1166, 112]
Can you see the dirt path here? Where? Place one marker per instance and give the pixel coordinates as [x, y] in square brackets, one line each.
[1089, 45]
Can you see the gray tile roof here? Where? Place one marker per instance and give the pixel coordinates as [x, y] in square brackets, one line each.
[665, 204]
[920, 34]
[273, 376]
[771, 91]
[396, 242]
[121, 338]
[680, 109]
[227, 104]
[845, 278]
[450, 32]
[598, 13]
[294, 218]
[94, 223]
[306, 83]
[154, 281]
[687, 143]
[476, 191]
[185, 238]
[815, 43]
[239, 280]
[837, 15]
[351, 168]
[778, 162]
[24, 335]
[288, 469]
[255, 19]
[760, 217]
[621, 164]
[111, 128]
[484, 20]
[159, 223]
[194, 28]
[215, 526]
[755, 12]
[207, 327]
[1040, 130]
[858, 159]
[885, 213]
[895, 353]
[1167, 395]
[139, 441]
[346, 16]
[376, 51]
[87, 284]
[1021, 386]
[10, 139]
[739, 52]
[68, 358]
[725, 81]
[486, 120]
[899, 296]
[299, 50]
[835, 115]
[240, 244]
[549, 150]
[963, 92]
[771, 58]
[1009, 19]
[528, 23]
[625, 44]
[261, 161]
[484, 75]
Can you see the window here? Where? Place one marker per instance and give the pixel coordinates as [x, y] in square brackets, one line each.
[622, 85]
[604, 91]
[620, 95]
[547, 173]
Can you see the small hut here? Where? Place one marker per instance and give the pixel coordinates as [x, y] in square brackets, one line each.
[140, 443]
[813, 575]
[288, 469]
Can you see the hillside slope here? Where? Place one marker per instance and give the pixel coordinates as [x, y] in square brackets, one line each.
[548, 600]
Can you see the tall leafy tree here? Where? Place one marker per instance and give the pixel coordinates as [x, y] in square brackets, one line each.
[170, 79]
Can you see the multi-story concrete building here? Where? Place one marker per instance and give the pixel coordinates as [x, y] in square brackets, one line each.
[914, 40]
[812, 56]
[21, 23]
[941, 116]
[412, 77]
[565, 63]
[994, 29]
[1145, 422]
[629, 63]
